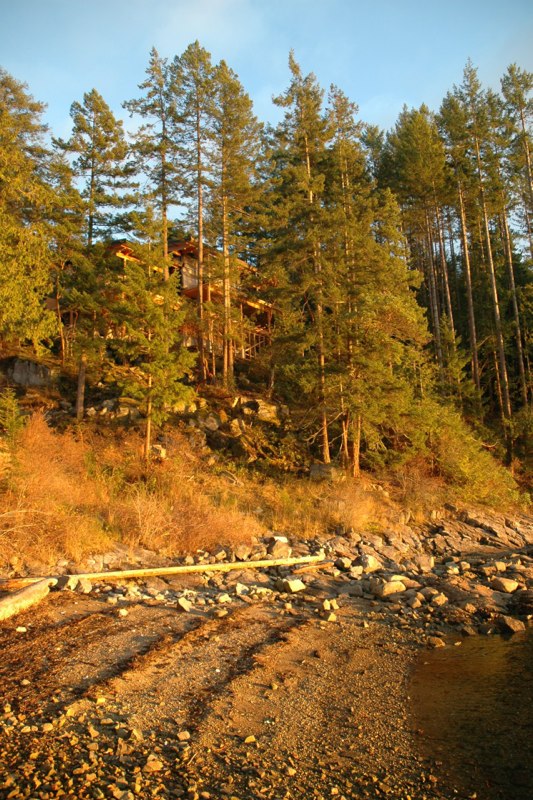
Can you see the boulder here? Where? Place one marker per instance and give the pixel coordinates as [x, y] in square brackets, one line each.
[242, 552]
[292, 585]
[370, 563]
[267, 412]
[504, 584]
[279, 547]
[323, 472]
[510, 624]
[424, 562]
[382, 590]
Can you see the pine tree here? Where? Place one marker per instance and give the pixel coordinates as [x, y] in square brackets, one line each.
[477, 111]
[145, 338]
[192, 84]
[297, 260]
[517, 86]
[100, 152]
[416, 167]
[27, 200]
[235, 149]
[155, 144]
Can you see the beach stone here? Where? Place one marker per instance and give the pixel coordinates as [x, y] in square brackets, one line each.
[387, 589]
[242, 552]
[510, 624]
[424, 562]
[292, 585]
[344, 563]
[279, 548]
[439, 600]
[504, 584]
[435, 641]
[370, 563]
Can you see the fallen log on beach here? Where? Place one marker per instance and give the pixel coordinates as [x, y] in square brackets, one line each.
[25, 598]
[17, 583]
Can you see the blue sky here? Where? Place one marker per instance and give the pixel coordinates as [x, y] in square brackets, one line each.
[382, 53]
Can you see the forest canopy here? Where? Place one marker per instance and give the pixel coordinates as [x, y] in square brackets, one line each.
[390, 272]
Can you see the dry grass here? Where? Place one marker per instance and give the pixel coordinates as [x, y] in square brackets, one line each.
[64, 497]
[67, 497]
[49, 506]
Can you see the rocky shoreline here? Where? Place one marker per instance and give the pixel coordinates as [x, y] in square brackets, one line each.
[254, 683]
[470, 572]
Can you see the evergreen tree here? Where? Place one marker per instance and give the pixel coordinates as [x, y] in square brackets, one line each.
[416, 171]
[27, 200]
[477, 111]
[145, 338]
[155, 143]
[99, 145]
[298, 263]
[235, 150]
[193, 87]
[517, 86]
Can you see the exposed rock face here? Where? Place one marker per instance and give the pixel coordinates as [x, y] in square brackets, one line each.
[29, 373]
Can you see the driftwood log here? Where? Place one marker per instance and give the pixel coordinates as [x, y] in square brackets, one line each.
[17, 583]
[24, 598]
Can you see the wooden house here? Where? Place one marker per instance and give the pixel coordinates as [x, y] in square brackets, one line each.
[254, 315]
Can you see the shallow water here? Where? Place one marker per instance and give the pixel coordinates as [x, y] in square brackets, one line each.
[474, 704]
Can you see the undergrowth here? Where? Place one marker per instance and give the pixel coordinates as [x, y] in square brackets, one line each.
[68, 494]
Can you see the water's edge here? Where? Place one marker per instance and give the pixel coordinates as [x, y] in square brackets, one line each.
[473, 704]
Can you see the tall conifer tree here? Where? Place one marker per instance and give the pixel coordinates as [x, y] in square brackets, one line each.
[100, 152]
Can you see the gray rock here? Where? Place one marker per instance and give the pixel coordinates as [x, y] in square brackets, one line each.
[292, 585]
[267, 412]
[242, 552]
[435, 641]
[439, 599]
[29, 373]
[424, 562]
[279, 548]
[382, 590]
[369, 563]
[344, 563]
[209, 422]
[323, 472]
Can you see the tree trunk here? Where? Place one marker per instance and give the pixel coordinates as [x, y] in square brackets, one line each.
[326, 456]
[494, 291]
[227, 343]
[444, 271]
[148, 429]
[200, 229]
[509, 258]
[356, 457]
[433, 299]
[80, 394]
[469, 296]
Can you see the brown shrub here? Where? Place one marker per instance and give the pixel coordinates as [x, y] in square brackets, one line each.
[50, 506]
